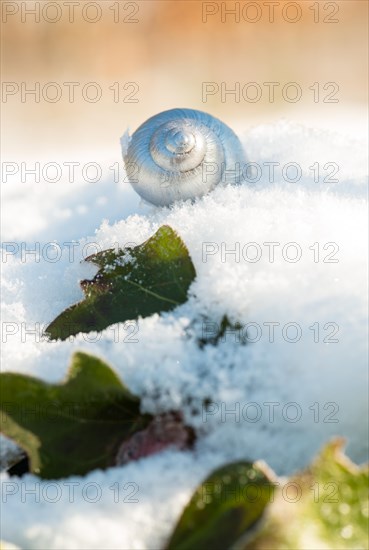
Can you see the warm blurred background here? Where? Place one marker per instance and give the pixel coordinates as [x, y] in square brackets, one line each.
[173, 48]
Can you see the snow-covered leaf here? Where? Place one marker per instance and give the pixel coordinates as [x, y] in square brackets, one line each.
[150, 278]
[212, 333]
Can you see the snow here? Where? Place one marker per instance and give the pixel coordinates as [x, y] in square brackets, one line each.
[288, 398]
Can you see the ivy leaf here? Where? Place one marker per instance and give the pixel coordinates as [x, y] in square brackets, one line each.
[131, 282]
[325, 506]
[228, 503]
[74, 427]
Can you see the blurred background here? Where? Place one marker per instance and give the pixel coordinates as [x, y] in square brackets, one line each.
[150, 55]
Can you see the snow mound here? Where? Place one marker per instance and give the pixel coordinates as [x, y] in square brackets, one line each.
[284, 256]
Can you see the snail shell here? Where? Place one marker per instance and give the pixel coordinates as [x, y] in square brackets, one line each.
[182, 154]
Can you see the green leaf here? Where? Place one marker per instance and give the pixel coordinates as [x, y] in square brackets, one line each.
[324, 507]
[74, 427]
[223, 507]
[132, 282]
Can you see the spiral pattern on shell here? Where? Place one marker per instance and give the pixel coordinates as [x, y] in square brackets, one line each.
[182, 154]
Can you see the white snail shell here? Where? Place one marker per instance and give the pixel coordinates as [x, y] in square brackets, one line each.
[182, 154]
